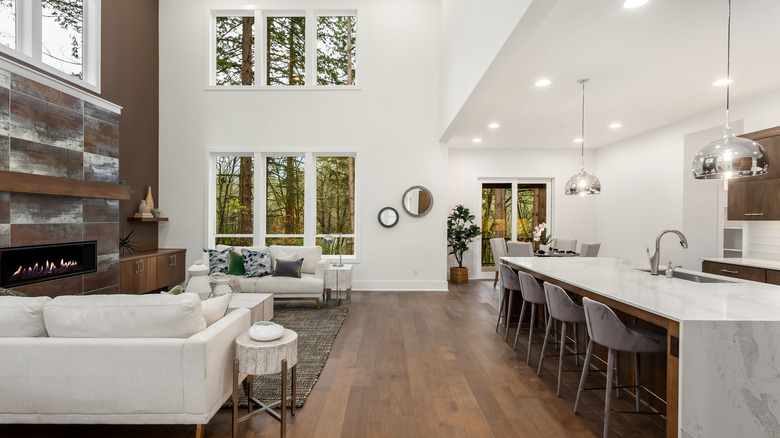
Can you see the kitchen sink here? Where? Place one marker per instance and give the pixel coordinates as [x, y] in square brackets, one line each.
[693, 277]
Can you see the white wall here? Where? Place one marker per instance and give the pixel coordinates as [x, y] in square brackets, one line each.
[392, 119]
[572, 216]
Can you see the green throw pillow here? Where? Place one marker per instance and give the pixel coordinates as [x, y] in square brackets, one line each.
[236, 265]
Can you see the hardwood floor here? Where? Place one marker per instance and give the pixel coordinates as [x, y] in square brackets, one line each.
[419, 364]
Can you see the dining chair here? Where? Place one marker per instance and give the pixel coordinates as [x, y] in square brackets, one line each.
[498, 246]
[510, 282]
[533, 293]
[563, 309]
[520, 249]
[589, 249]
[565, 244]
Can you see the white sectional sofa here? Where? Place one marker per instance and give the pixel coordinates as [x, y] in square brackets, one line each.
[114, 359]
[309, 287]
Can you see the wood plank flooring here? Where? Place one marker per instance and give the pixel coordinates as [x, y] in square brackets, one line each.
[419, 364]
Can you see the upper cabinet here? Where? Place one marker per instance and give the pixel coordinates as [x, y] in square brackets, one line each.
[758, 197]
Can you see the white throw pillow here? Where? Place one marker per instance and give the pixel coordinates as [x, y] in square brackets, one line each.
[22, 316]
[214, 308]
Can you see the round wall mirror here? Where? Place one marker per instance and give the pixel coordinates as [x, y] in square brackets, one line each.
[417, 201]
[388, 217]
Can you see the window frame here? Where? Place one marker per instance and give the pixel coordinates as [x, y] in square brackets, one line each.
[29, 38]
[260, 193]
[261, 60]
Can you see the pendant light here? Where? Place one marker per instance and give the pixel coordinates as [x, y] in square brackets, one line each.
[583, 183]
[730, 156]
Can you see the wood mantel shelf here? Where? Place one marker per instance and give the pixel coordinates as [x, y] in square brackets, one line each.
[147, 219]
[52, 185]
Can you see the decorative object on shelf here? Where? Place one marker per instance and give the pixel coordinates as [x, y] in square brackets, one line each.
[265, 331]
[417, 201]
[730, 156]
[122, 182]
[583, 183]
[156, 212]
[541, 240]
[143, 210]
[199, 280]
[329, 239]
[222, 287]
[461, 231]
[149, 200]
[388, 217]
[126, 242]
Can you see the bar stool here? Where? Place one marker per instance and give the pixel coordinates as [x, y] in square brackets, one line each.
[532, 293]
[562, 309]
[510, 281]
[606, 329]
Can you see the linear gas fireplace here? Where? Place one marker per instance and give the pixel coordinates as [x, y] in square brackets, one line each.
[33, 264]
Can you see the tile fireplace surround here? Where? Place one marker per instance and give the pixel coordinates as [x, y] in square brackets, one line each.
[44, 131]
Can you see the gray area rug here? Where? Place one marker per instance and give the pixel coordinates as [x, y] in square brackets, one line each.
[317, 329]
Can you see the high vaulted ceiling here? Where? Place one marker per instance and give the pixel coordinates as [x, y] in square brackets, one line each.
[648, 67]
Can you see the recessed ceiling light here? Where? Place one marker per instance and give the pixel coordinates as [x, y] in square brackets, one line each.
[542, 82]
[631, 4]
[615, 125]
[493, 125]
[578, 140]
[476, 140]
[721, 82]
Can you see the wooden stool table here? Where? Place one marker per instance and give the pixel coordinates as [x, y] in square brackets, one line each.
[255, 358]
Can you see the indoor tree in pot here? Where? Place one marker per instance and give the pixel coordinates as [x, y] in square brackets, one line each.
[461, 231]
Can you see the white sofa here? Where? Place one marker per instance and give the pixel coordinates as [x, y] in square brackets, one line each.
[114, 359]
[310, 286]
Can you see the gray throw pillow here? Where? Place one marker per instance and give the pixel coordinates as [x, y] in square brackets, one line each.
[257, 263]
[219, 260]
[288, 268]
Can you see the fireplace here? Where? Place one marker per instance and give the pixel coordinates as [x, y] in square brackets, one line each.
[33, 264]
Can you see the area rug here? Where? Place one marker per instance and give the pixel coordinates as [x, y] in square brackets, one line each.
[317, 329]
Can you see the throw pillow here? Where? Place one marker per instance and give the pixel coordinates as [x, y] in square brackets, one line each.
[256, 263]
[215, 308]
[281, 255]
[175, 291]
[287, 268]
[218, 260]
[236, 265]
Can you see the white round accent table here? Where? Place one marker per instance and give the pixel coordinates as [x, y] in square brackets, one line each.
[255, 358]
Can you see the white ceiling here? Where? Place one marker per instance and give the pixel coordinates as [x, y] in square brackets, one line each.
[648, 67]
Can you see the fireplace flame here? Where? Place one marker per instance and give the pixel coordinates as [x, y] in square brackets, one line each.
[46, 269]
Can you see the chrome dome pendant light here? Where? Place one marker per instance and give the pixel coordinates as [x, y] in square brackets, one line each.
[730, 156]
[583, 183]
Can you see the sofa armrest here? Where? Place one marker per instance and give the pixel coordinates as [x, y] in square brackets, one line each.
[319, 268]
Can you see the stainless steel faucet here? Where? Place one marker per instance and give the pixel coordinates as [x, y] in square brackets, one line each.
[655, 258]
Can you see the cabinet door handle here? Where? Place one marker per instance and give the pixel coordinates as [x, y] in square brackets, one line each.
[136, 266]
[754, 214]
[729, 272]
[142, 265]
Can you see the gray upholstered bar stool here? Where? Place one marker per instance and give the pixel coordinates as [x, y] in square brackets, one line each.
[510, 281]
[562, 309]
[532, 293]
[606, 329]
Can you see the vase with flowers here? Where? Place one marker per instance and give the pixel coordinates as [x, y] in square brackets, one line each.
[542, 240]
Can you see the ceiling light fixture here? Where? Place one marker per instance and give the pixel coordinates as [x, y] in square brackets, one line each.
[582, 182]
[631, 4]
[730, 156]
[615, 125]
[493, 125]
[476, 140]
[721, 82]
[542, 82]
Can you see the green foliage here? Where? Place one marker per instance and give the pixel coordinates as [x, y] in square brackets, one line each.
[69, 15]
[286, 55]
[461, 230]
[235, 199]
[232, 61]
[336, 48]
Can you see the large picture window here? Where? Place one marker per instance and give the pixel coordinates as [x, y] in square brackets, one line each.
[285, 199]
[267, 48]
[61, 37]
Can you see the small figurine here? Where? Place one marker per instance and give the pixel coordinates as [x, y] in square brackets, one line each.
[143, 207]
[149, 199]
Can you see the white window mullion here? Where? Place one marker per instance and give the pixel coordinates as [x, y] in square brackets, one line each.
[90, 40]
[261, 57]
[30, 21]
[260, 198]
[309, 198]
[211, 191]
[513, 213]
[310, 49]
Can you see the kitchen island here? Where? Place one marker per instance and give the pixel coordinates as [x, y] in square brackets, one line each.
[723, 357]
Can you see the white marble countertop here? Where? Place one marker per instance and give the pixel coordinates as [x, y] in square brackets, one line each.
[630, 282]
[755, 263]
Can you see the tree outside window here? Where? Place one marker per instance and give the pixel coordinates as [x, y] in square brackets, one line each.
[235, 50]
[336, 204]
[284, 200]
[336, 48]
[235, 200]
[62, 35]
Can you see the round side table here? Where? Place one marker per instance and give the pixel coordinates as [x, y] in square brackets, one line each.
[255, 358]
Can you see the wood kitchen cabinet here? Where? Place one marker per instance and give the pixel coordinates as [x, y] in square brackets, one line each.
[758, 197]
[735, 271]
[148, 271]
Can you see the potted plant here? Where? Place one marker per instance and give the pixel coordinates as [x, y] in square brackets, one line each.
[542, 238]
[461, 231]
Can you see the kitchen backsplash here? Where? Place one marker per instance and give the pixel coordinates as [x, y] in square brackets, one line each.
[763, 240]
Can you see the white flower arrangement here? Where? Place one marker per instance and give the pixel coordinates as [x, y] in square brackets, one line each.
[538, 231]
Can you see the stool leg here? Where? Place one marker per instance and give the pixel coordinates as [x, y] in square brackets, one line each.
[283, 419]
[508, 314]
[617, 373]
[608, 401]
[560, 357]
[636, 380]
[519, 321]
[530, 332]
[585, 367]
[544, 344]
[576, 346]
[501, 308]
